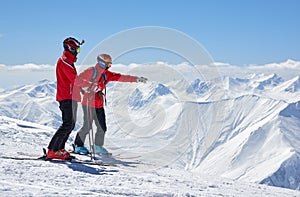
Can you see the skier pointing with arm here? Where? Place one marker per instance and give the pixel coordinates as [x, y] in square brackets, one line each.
[67, 95]
[93, 102]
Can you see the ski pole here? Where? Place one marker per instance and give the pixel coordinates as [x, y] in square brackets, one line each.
[88, 122]
[90, 125]
[92, 134]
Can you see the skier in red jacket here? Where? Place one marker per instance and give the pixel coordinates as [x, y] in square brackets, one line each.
[67, 95]
[93, 102]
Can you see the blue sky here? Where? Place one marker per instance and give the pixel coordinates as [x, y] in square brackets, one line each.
[232, 31]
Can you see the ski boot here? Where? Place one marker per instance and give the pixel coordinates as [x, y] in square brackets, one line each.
[100, 150]
[80, 150]
[60, 154]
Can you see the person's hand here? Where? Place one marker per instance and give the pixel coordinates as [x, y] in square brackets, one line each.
[84, 90]
[95, 88]
[141, 79]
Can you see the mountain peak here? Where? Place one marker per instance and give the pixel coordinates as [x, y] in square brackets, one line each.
[153, 91]
[265, 81]
[199, 87]
[294, 85]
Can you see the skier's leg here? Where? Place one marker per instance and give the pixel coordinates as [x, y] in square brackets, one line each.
[84, 131]
[59, 138]
[74, 117]
[101, 126]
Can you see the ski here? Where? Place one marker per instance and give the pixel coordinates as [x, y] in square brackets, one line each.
[72, 160]
[119, 156]
[109, 155]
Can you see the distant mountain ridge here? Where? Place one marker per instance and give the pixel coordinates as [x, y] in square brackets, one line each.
[243, 128]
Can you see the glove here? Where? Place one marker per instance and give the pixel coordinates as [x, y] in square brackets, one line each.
[141, 79]
[95, 88]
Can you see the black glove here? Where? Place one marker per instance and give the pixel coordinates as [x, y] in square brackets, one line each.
[141, 80]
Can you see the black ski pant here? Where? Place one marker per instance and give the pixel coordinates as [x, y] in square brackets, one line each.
[91, 115]
[69, 112]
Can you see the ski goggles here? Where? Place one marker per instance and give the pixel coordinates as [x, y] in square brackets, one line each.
[72, 49]
[103, 64]
[78, 44]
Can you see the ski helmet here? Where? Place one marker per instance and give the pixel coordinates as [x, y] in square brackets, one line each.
[72, 45]
[104, 60]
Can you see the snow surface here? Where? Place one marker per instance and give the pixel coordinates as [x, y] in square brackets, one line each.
[193, 135]
[130, 177]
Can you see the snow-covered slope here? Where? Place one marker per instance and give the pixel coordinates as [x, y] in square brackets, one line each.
[131, 177]
[253, 147]
[229, 127]
[242, 128]
[35, 103]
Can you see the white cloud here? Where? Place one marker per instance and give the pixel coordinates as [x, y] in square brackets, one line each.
[28, 67]
[25, 74]
[287, 69]
[220, 64]
[31, 67]
[31, 73]
[289, 64]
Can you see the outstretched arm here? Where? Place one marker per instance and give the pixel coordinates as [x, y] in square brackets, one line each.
[111, 76]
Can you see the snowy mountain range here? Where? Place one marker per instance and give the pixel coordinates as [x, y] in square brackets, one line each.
[245, 129]
[33, 103]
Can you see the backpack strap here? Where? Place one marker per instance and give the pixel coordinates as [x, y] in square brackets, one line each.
[94, 74]
[104, 81]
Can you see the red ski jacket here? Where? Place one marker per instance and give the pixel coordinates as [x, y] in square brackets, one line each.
[103, 77]
[65, 75]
